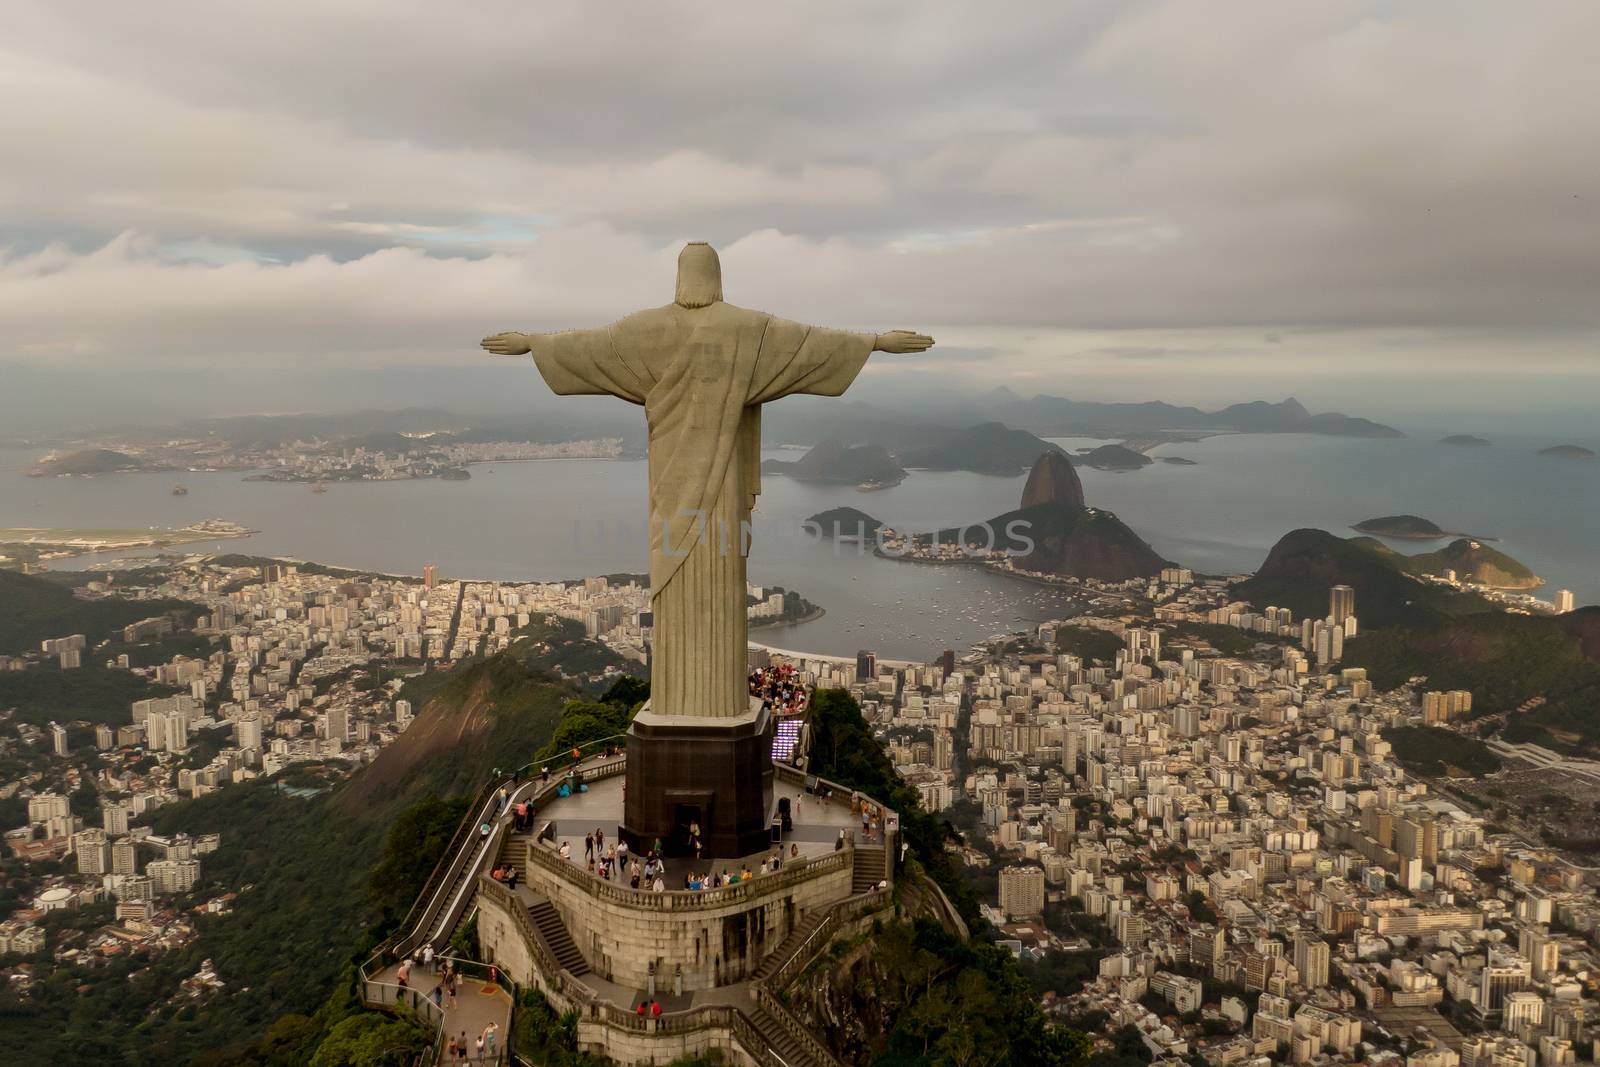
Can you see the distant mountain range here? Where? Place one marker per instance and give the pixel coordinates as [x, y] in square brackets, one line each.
[988, 448]
[1055, 416]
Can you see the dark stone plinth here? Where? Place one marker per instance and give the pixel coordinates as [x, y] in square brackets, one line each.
[716, 772]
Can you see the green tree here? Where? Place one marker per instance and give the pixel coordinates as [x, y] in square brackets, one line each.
[372, 1040]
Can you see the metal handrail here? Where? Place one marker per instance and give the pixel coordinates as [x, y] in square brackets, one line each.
[451, 863]
[769, 1003]
[838, 913]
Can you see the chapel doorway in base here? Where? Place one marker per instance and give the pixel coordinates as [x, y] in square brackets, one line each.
[688, 812]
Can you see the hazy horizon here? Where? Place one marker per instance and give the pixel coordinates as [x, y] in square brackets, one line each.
[1378, 208]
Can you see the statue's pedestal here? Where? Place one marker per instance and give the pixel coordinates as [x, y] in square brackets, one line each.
[713, 771]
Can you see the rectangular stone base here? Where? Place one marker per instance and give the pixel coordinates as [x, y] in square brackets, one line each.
[714, 771]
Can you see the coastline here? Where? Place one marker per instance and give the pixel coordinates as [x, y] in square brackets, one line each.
[1440, 536]
[765, 624]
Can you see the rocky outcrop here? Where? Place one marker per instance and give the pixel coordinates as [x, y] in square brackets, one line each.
[1052, 481]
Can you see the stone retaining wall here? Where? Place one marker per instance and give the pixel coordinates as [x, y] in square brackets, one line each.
[716, 937]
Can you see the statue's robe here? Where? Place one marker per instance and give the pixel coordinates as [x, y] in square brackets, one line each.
[701, 374]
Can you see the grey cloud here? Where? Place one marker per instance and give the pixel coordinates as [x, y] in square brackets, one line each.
[381, 181]
[1133, 351]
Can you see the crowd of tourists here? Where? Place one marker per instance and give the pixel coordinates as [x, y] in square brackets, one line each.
[779, 688]
[712, 880]
[460, 1050]
[614, 862]
[444, 980]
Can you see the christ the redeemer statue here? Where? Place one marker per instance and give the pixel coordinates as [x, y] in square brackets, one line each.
[702, 368]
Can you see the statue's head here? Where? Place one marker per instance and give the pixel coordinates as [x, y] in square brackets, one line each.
[699, 275]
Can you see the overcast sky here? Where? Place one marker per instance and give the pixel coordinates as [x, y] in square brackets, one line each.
[1371, 205]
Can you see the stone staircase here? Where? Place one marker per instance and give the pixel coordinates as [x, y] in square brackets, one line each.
[870, 868]
[778, 1040]
[786, 947]
[547, 920]
[514, 854]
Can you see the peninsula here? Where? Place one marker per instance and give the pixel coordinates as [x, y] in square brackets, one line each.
[25, 544]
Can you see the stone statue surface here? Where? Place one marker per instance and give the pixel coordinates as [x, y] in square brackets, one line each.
[701, 368]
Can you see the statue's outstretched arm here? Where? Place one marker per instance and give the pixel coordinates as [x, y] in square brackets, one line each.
[901, 342]
[508, 344]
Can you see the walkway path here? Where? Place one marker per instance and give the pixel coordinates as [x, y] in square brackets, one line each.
[479, 1002]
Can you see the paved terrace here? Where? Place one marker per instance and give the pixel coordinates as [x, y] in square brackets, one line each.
[478, 1003]
[817, 822]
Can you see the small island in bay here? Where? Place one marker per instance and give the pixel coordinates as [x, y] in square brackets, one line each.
[1568, 452]
[1402, 527]
[1464, 439]
[1409, 528]
[833, 462]
[1180, 461]
[1114, 458]
[846, 524]
[988, 448]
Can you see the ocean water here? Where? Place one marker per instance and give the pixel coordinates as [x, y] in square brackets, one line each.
[570, 518]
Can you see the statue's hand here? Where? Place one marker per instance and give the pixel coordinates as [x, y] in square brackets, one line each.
[508, 344]
[900, 342]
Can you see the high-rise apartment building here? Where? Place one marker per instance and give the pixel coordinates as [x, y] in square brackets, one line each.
[1311, 960]
[125, 856]
[1022, 892]
[114, 816]
[93, 851]
[174, 876]
[1341, 603]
